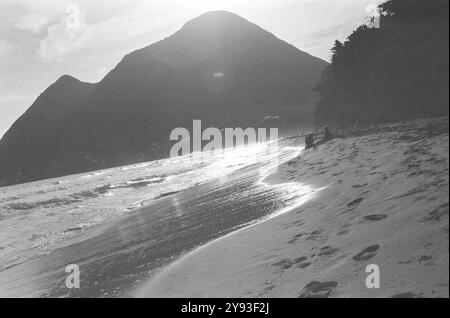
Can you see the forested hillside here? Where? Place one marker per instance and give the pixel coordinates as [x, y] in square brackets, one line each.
[397, 71]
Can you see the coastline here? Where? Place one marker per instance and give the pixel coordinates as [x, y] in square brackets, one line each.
[117, 256]
[386, 205]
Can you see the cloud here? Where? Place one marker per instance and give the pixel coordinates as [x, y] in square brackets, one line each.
[5, 48]
[32, 16]
[32, 22]
[124, 25]
[66, 36]
[62, 36]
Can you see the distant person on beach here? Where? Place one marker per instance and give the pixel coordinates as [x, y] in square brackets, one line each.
[309, 141]
[327, 134]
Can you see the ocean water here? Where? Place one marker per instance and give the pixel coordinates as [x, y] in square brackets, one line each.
[122, 223]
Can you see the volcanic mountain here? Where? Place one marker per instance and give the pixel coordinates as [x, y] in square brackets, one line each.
[218, 67]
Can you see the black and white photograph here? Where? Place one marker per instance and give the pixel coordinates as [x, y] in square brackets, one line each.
[224, 154]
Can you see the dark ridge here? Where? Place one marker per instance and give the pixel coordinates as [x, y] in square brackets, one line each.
[127, 117]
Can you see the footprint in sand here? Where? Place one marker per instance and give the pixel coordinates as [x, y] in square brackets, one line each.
[295, 238]
[355, 202]
[316, 289]
[327, 250]
[425, 258]
[283, 264]
[367, 253]
[343, 232]
[303, 265]
[296, 223]
[437, 214]
[375, 217]
[314, 235]
[301, 262]
[300, 259]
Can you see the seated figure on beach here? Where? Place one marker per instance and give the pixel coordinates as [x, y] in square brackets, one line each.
[309, 141]
[327, 134]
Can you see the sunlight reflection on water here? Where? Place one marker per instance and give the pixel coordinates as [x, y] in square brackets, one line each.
[38, 217]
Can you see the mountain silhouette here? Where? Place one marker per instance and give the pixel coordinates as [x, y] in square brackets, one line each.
[218, 67]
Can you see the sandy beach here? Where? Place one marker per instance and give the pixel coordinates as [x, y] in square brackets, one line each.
[384, 201]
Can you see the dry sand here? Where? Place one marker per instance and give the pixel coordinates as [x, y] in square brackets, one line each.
[385, 203]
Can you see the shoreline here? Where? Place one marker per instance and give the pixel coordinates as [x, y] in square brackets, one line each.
[387, 205]
[116, 258]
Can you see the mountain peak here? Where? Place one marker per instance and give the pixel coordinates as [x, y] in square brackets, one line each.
[213, 21]
[214, 37]
[219, 15]
[66, 78]
[157, 88]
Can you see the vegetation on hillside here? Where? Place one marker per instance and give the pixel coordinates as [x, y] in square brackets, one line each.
[395, 72]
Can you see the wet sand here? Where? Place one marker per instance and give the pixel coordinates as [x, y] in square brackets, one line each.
[116, 257]
[385, 203]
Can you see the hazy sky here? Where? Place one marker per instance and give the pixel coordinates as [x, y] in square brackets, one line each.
[37, 47]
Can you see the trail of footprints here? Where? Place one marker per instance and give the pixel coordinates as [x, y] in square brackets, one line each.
[317, 289]
[322, 289]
